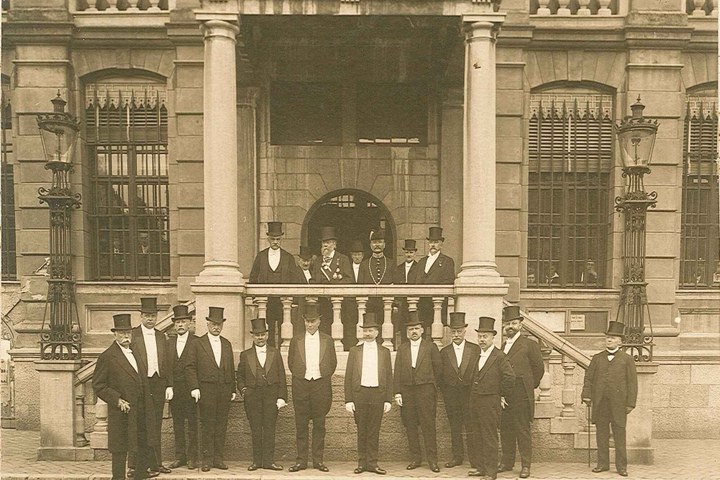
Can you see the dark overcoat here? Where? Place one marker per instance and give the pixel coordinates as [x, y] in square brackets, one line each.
[527, 363]
[274, 370]
[289, 270]
[616, 381]
[353, 373]
[442, 272]
[427, 369]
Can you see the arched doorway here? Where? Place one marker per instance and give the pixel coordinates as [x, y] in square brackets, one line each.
[354, 214]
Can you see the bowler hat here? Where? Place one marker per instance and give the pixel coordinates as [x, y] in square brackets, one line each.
[258, 325]
[511, 312]
[486, 324]
[148, 305]
[180, 312]
[457, 320]
[413, 319]
[435, 233]
[616, 329]
[327, 233]
[356, 246]
[216, 315]
[370, 321]
[410, 244]
[311, 312]
[377, 234]
[305, 252]
[121, 321]
[274, 229]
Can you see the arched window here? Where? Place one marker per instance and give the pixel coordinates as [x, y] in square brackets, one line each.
[126, 130]
[7, 188]
[570, 141]
[700, 235]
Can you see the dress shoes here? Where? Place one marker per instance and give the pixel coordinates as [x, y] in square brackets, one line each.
[453, 463]
[152, 474]
[205, 468]
[297, 467]
[525, 472]
[321, 466]
[378, 470]
[177, 463]
[476, 473]
[359, 470]
[253, 467]
[434, 467]
[504, 468]
[413, 465]
[273, 466]
[163, 469]
[220, 465]
[599, 469]
[623, 473]
[192, 465]
[131, 473]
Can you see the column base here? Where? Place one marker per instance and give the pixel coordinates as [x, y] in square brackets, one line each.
[215, 272]
[231, 297]
[57, 408]
[98, 440]
[65, 453]
[563, 424]
[640, 456]
[478, 299]
[479, 273]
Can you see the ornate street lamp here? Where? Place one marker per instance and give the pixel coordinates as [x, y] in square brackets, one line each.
[62, 340]
[636, 136]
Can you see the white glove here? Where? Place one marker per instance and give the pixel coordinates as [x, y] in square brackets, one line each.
[168, 393]
[350, 407]
[398, 399]
[503, 403]
[280, 403]
[233, 396]
[386, 407]
[195, 394]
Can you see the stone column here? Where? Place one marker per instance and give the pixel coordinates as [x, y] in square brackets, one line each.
[479, 285]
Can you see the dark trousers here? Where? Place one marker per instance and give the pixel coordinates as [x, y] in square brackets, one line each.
[604, 420]
[274, 318]
[515, 427]
[426, 314]
[120, 458]
[456, 406]
[261, 410]
[400, 315]
[418, 413]
[214, 408]
[157, 394]
[312, 399]
[368, 418]
[182, 407]
[349, 317]
[484, 423]
[325, 310]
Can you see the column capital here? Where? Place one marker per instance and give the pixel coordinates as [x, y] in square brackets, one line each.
[482, 26]
[218, 26]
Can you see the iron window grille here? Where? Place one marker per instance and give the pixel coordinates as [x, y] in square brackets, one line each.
[570, 160]
[126, 131]
[700, 232]
[7, 186]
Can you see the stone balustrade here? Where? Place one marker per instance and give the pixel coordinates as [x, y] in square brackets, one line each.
[577, 8]
[702, 8]
[116, 6]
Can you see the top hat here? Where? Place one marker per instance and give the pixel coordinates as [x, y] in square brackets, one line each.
[121, 321]
[377, 234]
[457, 320]
[486, 324]
[148, 305]
[180, 312]
[370, 321]
[410, 244]
[356, 246]
[413, 319]
[435, 233]
[327, 233]
[258, 325]
[216, 315]
[616, 329]
[305, 252]
[511, 312]
[275, 229]
[311, 312]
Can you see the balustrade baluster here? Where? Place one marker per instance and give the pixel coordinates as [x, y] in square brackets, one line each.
[337, 327]
[545, 406]
[361, 309]
[154, 6]
[699, 11]
[583, 10]
[543, 7]
[438, 328]
[387, 326]
[133, 5]
[568, 393]
[714, 10]
[99, 435]
[286, 329]
[261, 303]
[604, 10]
[112, 6]
[79, 421]
[92, 6]
[563, 8]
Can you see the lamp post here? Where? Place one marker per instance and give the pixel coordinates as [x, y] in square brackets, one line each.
[636, 136]
[62, 341]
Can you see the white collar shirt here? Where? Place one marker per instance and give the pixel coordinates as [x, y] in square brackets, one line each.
[611, 354]
[459, 350]
[356, 270]
[308, 275]
[273, 258]
[150, 350]
[484, 355]
[216, 346]
[181, 342]
[408, 266]
[312, 356]
[370, 362]
[129, 356]
[261, 353]
[414, 349]
[510, 342]
[430, 261]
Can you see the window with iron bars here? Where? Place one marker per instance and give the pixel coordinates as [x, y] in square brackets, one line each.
[126, 131]
[7, 191]
[700, 232]
[570, 160]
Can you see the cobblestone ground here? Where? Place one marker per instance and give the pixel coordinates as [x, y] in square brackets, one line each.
[674, 460]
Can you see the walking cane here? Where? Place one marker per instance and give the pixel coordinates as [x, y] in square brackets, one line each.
[588, 430]
[199, 435]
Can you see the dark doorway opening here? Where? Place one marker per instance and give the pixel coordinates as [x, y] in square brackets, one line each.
[354, 214]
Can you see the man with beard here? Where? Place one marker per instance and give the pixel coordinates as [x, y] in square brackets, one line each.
[275, 265]
[434, 269]
[527, 363]
[182, 405]
[404, 274]
[332, 268]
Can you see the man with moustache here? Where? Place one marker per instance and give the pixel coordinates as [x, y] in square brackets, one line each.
[305, 259]
[150, 347]
[275, 265]
[304, 264]
[368, 392]
[121, 382]
[376, 270]
[456, 379]
[312, 362]
[211, 378]
[332, 268]
[434, 269]
[493, 381]
[417, 370]
[527, 363]
[261, 380]
[182, 405]
[404, 274]
[349, 312]
[611, 388]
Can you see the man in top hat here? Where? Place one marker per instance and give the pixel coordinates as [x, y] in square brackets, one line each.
[357, 254]
[211, 378]
[349, 312]
[312, 362]
[404, 274]
[150, 347]
[376, 270]
[332, 267]
[261, 380]
[456, 379]
[182, 404]
[121, 382]
[610, 387]
[368, 392]
[305, 259]
[493, 381]
[304, 263]
[527, 363]
[417, 371]
[275, 265]
[434, 269]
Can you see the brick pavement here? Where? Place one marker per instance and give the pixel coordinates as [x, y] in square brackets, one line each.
[674, 459]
